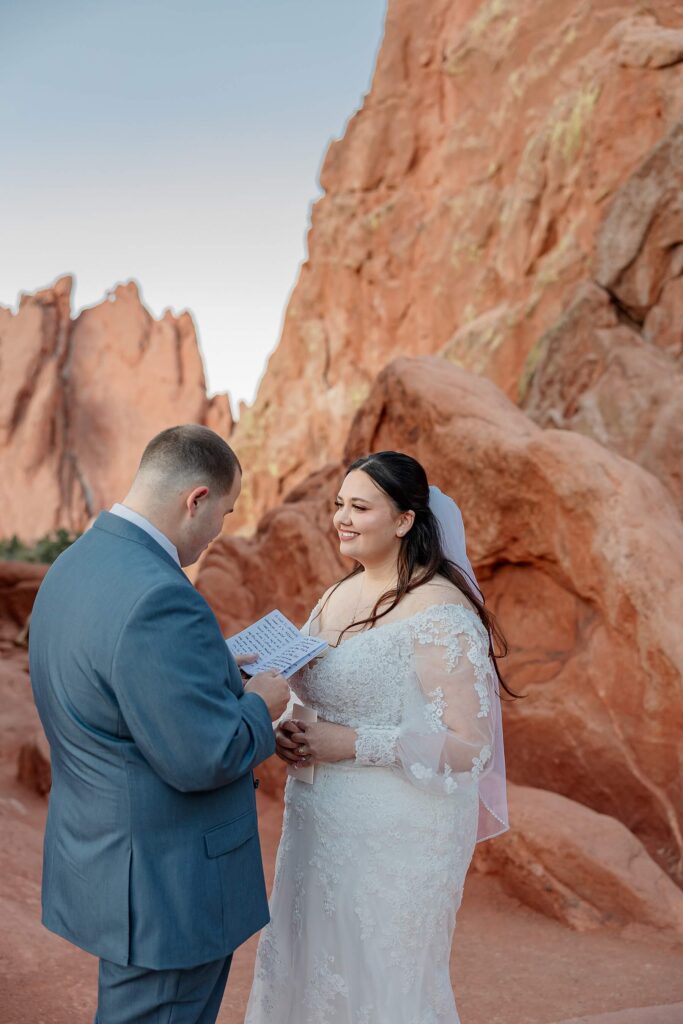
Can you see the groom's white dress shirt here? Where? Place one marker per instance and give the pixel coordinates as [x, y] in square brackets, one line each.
[134, 517]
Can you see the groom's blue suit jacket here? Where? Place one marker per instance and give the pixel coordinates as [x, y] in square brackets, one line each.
[152, 854]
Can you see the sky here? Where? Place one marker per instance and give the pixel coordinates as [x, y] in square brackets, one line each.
[177, 144]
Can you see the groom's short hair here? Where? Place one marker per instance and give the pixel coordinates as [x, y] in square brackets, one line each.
[193, 453]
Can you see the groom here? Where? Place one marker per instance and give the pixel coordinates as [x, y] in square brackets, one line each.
[152, 858]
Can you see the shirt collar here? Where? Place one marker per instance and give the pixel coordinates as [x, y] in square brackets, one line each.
[134, 517]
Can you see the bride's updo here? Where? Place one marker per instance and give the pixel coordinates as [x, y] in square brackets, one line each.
[421, 556]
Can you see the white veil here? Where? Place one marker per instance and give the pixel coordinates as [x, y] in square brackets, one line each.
[493, 811]
[449, 518]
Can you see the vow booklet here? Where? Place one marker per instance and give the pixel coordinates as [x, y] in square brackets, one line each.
[279, 645]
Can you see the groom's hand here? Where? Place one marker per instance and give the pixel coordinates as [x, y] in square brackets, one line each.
[286, 749]
[242, 660]
[245, 659]
[273, 689]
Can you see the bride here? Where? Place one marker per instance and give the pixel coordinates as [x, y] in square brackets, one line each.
[409, 768]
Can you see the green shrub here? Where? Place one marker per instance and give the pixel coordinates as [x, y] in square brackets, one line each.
[45, 550]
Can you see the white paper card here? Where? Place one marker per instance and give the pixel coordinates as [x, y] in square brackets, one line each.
[279, 645]
[307, 771]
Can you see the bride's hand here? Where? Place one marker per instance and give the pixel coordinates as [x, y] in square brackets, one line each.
[317, 742]
[285, 748]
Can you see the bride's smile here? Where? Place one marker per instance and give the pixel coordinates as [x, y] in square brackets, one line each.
[360, 503]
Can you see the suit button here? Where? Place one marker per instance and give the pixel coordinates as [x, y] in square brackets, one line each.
[257, 783]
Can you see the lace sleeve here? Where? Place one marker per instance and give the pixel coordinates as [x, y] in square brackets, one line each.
[447, 736]
[453, 743]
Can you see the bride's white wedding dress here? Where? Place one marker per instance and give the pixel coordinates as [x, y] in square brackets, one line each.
[373, 855]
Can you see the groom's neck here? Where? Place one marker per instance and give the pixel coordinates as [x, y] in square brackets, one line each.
[139, 501]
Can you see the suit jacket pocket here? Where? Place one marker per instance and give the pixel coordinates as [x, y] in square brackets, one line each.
[224, 838]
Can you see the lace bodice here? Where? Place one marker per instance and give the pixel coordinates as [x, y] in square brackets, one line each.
[419, 691]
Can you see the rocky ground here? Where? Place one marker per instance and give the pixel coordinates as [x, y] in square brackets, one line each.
[510, 964]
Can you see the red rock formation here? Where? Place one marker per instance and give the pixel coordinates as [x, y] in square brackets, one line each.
[598, 376]
[80, 398]
[610, 367]
[463, 204]
[33, 764]
[580, 553]
[19, 582]
[33, 347]
[583, 868]
[639, 252]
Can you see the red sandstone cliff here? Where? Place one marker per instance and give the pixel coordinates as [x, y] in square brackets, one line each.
[465, 201]
[580, 554]
[80, 398]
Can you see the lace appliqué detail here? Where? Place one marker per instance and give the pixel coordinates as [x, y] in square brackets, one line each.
[322, 991]
[482, 668]
[376, 747]
[478, 762]
[449, 783]
[424, 773]
[435, 709]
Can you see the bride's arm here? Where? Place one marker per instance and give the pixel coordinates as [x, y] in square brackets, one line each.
[448, 737]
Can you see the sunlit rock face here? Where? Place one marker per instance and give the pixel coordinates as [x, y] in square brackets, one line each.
[580, 554]
[80, 398]
[580, 867]
[611, 366]
[483, 178]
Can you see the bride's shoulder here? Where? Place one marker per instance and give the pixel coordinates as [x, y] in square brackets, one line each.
[334, 595]
[437, 594]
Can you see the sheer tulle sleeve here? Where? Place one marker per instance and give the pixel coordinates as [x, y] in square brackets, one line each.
[452, 735]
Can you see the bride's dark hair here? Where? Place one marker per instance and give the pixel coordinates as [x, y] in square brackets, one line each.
[421, 555]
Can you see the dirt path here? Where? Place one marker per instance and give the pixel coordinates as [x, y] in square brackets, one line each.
[542, 972]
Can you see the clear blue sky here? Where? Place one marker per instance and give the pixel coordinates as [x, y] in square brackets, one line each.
[177, 143]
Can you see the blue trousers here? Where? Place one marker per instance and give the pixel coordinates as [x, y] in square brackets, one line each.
[136, 995]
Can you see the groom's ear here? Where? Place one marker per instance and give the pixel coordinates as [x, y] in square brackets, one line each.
[195, 498]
